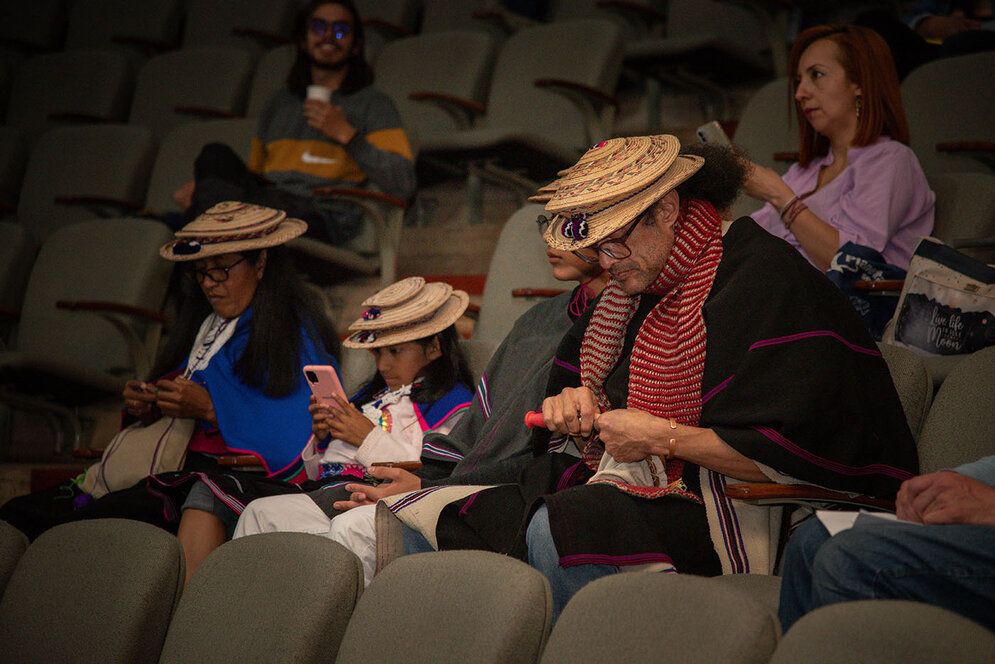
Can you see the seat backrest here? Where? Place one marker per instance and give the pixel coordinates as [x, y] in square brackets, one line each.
[99, 590]
[270, 75]
[766, 127]
[446, 15]
[912, 382]
[962, 113]
[139, 28]
[32, 27]
[223, 22]
[13, 544]
[179, 149]
[635, 24]
[17, 253]
[111, 161]
[729, 21]
[965, 209]
[657, 617]
[13, 159]
[550, 52]
[519, 261]
[108, 260]
[275, 597]
[215, 78]
[386, 20]
[958, 428]
[413, 64]
[451, 606]
[885, 632]
[91, 83]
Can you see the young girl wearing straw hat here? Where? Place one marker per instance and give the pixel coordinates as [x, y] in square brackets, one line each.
[422, 384]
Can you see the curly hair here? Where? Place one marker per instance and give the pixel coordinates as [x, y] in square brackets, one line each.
[719, 180]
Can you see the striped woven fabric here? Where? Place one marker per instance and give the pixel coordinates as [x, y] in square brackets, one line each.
[668, 357]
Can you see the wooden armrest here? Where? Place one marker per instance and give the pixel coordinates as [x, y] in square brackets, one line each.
[767, 493]
[393, 30]
[144, 43]
[75, 116]
[365, 194]
[274, 38]
[239, 460]
[593, 94]
[647, 14]
[112, 307]
[879, 284]
[965, 146]
[9, 314]
[105, 201]
[536, 292]
[86, 453]
[205, 112]
[785, 156]
[403, 465]
[462, 111]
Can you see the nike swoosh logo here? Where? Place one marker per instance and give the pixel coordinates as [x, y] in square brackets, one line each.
[309, 158]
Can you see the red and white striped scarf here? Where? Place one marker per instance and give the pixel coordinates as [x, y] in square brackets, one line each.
[668, 356]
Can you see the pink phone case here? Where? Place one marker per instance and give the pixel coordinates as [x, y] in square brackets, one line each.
[324, 382]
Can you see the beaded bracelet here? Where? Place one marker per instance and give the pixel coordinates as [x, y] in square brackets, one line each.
[791, 210]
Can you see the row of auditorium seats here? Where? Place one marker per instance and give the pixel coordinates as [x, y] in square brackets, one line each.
[144, 27]
[298, 597]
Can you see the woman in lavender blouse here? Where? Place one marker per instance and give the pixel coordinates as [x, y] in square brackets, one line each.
[856, 180]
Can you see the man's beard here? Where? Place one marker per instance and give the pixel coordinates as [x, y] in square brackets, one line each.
[329, 66]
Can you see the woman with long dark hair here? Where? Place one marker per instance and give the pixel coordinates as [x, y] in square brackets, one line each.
[231, 373]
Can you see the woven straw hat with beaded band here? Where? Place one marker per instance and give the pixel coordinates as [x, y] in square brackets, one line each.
[230, 228]
[406, 311]
[612, 184]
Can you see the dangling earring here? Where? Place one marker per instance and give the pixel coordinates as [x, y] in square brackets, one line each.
[860, 104]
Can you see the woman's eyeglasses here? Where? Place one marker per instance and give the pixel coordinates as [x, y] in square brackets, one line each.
[338, 29]
[217, 274]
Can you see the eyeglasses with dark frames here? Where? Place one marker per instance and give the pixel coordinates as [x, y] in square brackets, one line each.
[217, 274]
[320, 27]
[542, 222]
[612, 247]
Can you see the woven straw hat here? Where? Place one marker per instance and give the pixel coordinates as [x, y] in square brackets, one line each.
[588, 161]
[406, 311]
[230, 228]
[612, 184]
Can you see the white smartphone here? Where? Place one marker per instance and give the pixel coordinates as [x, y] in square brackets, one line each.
[711, 133]
[324, 382]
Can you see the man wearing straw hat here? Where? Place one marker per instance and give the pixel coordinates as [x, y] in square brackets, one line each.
[707, 359]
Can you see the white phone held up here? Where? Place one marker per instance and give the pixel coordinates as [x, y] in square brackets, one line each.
[711, 133]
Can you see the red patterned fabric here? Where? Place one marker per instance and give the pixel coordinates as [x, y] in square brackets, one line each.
[668, 357]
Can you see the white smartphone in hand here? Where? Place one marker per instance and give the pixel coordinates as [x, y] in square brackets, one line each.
[711, 133]
[324, 382]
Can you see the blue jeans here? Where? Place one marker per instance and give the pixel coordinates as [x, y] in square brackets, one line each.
[951, 566]
[563, 581]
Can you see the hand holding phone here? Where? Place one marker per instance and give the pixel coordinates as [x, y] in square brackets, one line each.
[325, 384]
